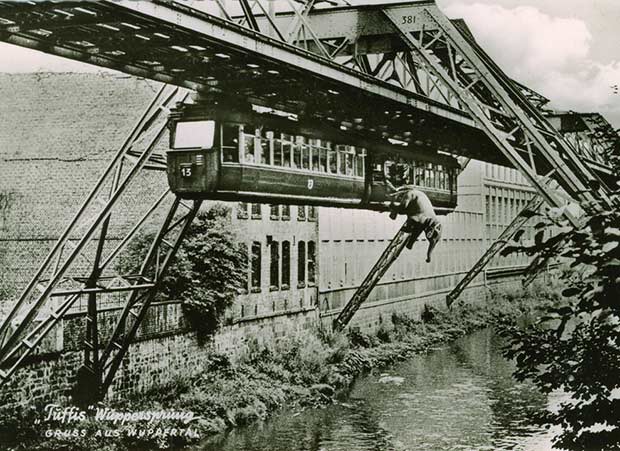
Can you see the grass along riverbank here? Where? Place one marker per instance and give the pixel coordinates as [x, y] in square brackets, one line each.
[305, 371]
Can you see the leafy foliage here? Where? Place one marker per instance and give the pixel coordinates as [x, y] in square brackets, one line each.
[575, 345]
[208, 272]
[307, 370]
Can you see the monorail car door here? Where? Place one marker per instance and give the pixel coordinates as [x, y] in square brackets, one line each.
[194, 162]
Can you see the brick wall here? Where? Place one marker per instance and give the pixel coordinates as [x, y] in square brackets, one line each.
[57, 136]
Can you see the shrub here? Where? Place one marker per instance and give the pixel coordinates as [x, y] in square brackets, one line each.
[208, 271]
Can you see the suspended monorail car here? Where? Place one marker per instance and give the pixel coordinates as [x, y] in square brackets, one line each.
[258, 157]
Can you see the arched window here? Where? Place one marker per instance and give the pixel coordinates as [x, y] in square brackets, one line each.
[311, 263]
[274, 266]
[301, 263]
[255, 277]
[301, 212]
[311, 213]
[256, 211]
[242, 210]
[286, 212]
[286, 264]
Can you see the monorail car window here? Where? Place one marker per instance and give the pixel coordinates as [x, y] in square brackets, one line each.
[441, 177]
[360, 158]
[193, 134]
[287, 148]
[314, 146]
[332, 161]
[277, 150]
[419, 173]
[247, 144]
[270, 147]
[430, 178]
[305, 156]
[230, 136]
[262, 144]
[341, 149]
[322, 159]
[348, 160]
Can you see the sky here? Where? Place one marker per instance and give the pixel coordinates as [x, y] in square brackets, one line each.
[568, 50]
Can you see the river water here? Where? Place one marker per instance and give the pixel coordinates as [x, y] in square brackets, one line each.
[458, 397]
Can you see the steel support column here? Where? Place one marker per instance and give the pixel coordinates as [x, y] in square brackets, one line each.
[507, 118]
[31, 318]
[154, 266]
[534, 204]
[389, 256]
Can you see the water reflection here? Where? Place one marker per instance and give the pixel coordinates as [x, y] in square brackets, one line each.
[460, 397]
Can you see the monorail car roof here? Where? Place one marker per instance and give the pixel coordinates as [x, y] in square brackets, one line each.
[374, 144]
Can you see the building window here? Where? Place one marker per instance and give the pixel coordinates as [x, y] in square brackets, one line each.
[301, 264]
[246, 259]
[274, 267]
[311, 213]
[286, 212]
[242, 210]
[255, 266]
[301, 212]
[311, 262]
[286, 264]
[274, 212]
[488, 208]
[256, 211]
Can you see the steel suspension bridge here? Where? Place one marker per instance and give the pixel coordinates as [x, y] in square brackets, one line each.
[399, 71]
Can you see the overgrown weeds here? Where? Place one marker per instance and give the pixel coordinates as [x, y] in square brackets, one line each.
[306, 370]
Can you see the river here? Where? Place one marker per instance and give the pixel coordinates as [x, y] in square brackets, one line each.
[457, 397]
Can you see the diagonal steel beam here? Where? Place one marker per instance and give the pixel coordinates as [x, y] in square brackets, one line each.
[121, 339]
[19, 331]
[389, 256]
[534, 204]
[473, 105]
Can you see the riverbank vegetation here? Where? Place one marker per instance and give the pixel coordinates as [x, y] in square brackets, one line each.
[303, 371]
[575, 347]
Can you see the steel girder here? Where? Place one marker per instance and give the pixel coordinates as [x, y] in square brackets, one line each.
[510, 121]
[506, 115]
[62, 278]
[154, 265]
[389, 256]
[341, 65]
[534, 204]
